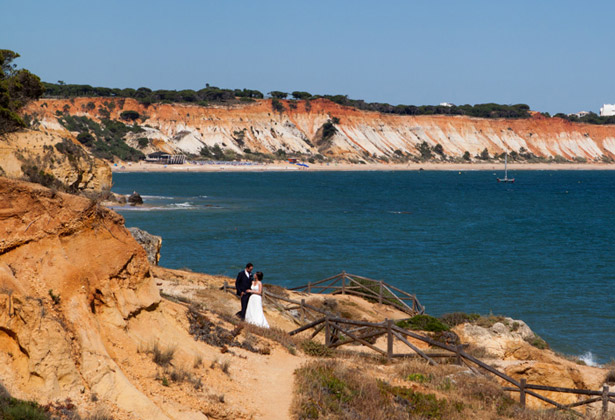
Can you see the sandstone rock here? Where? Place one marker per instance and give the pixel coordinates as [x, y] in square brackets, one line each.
[51, 348]
[69, 163]
[151, 243]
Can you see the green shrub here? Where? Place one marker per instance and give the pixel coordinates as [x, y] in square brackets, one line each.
[277, 105]
[312, 348]
[418, 377]
[457, 318]
[423, 323]
[14, 409]
[422, 405]
[537, 342]
[328, 130]
[129, 115]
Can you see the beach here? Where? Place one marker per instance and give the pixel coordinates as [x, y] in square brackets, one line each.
[284, 166]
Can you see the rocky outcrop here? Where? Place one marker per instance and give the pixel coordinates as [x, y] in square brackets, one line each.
[506, 345]
[358, 134]
[54, 158]
[151, 243]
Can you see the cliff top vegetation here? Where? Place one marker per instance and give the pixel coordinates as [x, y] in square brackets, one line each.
[211, 95]
[17, 88]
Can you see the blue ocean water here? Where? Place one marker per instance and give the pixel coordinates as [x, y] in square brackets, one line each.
[541, 250]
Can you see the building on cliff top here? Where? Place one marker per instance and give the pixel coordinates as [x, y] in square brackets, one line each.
[607, 110]
[579, 114]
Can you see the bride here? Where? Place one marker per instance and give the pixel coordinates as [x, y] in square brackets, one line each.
[254, 311]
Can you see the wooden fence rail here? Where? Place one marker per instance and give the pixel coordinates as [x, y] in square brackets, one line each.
[345, 283]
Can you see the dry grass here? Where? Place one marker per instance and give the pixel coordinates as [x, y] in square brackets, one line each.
[275, 334]
[162, 357]
[331, 390]
[347, 389]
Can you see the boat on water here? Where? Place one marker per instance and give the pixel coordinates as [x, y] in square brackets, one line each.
[506, 178]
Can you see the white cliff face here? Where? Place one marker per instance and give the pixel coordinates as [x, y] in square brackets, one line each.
[177, 128]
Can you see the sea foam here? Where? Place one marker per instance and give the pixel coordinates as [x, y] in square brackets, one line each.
[588, 358]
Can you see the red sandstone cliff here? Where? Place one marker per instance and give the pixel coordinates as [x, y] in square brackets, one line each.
[360, 134]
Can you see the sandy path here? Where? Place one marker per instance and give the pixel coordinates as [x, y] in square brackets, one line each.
[268, 382]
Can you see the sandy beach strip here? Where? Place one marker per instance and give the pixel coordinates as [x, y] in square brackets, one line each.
[285, 167]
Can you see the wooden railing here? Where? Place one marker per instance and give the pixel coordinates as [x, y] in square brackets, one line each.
[341, 331]
[375, 290]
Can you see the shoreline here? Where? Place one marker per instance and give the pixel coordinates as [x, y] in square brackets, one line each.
[349, 167]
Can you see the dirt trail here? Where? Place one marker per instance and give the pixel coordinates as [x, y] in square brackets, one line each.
[267, 383]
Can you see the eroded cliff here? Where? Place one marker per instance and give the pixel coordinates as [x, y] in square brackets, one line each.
[302, 128]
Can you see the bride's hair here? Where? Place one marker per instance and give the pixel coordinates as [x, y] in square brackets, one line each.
[259, 275]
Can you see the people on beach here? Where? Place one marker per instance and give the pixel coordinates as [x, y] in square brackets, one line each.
[254, 312]
[242, 285]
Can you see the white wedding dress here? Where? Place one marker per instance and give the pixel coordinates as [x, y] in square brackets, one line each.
[254, 311]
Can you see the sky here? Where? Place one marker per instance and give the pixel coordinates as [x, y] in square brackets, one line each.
[555, 56]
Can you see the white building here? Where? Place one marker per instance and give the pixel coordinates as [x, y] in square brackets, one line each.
[447, 104]
[579, 114]
[607, 110]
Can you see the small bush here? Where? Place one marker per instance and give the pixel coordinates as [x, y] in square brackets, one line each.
[487, 321]
[418, 377]
[225, 366]
[610, 377]
[14, 409]
[458, 318]
[537, 342]
[55, 298]
[162, 357]
[312, 348]
[423, 323]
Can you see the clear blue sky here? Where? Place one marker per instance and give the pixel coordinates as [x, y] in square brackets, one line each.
[556, 56]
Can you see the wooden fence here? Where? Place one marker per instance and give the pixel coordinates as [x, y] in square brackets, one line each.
[341, 331]
[375, 290]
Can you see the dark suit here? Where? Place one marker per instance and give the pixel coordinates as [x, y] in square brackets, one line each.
[242, 284]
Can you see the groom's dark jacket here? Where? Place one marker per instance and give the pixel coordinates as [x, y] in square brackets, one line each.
[243, 282]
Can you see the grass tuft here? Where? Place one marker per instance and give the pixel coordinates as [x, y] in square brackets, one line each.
[162, 357]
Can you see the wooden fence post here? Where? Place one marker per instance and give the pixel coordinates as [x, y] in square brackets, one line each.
[380, 293]
[389, 338]
[309, 288]
[458, 348]
[225, 286]
[605, 401]
[523, 382]
[327, 332]
[302, 310]
[343, 284]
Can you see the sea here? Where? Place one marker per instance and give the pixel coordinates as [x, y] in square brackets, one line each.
[541, 249]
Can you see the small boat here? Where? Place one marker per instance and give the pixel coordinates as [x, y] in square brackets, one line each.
[506, 178]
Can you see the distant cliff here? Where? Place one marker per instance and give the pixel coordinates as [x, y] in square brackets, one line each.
[322, 128]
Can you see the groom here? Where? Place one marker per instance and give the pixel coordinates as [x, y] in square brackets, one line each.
[243, 283]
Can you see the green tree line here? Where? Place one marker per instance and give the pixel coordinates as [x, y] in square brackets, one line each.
[591, 118]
